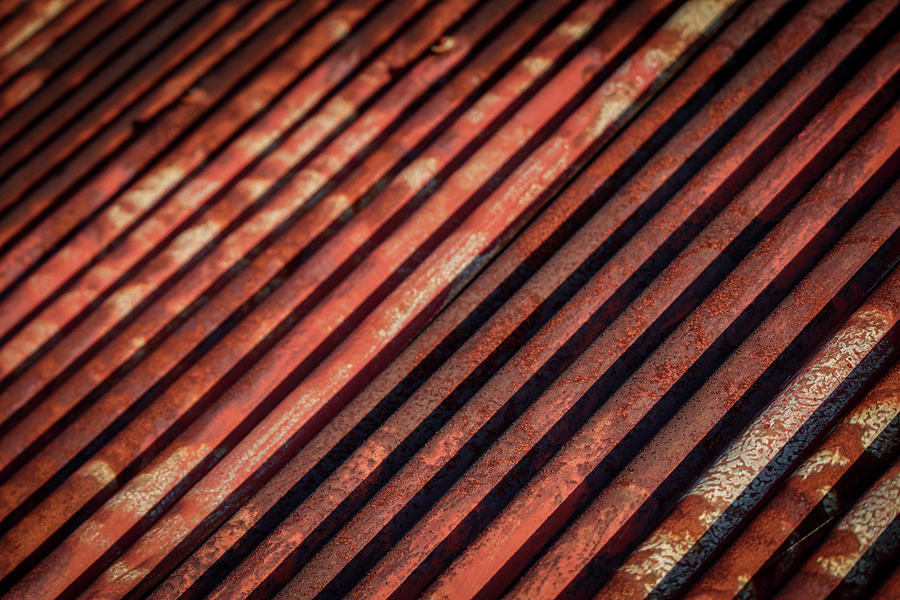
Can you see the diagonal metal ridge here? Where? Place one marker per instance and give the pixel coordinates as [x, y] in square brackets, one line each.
[454, 299]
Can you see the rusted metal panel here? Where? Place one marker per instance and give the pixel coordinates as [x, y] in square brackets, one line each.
[866, 538]
[753, 564]
[736, 482]
[460, 299]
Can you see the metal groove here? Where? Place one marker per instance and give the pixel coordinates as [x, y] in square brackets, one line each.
[449, 299]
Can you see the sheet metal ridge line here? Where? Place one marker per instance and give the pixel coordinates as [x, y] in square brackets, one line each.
[29, 22]
[12, 377]
[8, 7]
[126, 187]
[154, 421]
[490, 556]
[195, 385]
[762, 454]
[297, 290]
[449, 299]
[83, 141]
[774, 542]
[179, 174]
[218, 217]
[254, 229]
[624, 146]
[35, 132]
[48, 38]
[260, 384]
[865, 540]
[196, 52]
[620, 515]
[81, 272]
[454, 190]
[22, 77]
[122, 215]
[321, 568]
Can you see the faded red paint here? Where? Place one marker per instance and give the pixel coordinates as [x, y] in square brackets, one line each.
[759, 458]
[858, 545]
[386, 299]
[754, 564]
[530, 240]
[254, 229]
[179, 162]
[600, 532]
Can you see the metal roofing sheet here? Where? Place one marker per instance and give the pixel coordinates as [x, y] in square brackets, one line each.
[453, 298]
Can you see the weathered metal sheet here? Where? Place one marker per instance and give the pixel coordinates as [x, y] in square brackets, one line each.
[754, 564]
[453, 299]
[865, 539]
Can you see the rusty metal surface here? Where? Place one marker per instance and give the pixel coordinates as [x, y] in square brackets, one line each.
[449, 298]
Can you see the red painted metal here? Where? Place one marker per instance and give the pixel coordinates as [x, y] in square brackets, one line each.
[254, 229]
[602, 531]
[446, 298]
[34, 195]
[403, 304]
[863, 540]
[815, 493]
[38, 20]
[188, 388]
[531, 239]
[737, 480]
[509, 533]
[22, 75]
[181, 162]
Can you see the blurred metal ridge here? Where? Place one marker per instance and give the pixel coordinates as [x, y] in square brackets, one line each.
[449, 299]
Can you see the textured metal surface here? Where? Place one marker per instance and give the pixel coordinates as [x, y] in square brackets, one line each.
[449, 298]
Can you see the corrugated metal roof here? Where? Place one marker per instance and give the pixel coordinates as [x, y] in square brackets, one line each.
[455, 299]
